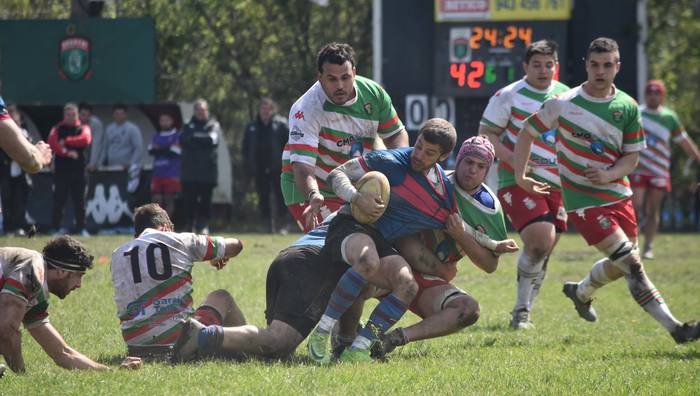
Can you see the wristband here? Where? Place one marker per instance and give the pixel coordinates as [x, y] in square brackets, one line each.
[311, 192]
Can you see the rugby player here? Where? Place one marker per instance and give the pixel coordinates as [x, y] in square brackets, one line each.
[539, 219]
[30, 157]
[652, 179]
[338, 118]
[599, 139]
[26, 279]
[422, 198]
[152, 281]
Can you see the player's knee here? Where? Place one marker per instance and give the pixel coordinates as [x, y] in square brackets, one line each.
[624, 255]
[537, 252]
[222, 297]
[407, 287]
[366, 264]
[469, 311]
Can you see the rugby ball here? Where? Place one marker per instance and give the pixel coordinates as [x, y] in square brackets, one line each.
[372, 182]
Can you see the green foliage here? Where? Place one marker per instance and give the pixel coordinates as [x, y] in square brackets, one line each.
[625, 352]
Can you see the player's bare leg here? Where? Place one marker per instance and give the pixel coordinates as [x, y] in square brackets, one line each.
[278, 340]
[652, 212]
[222, 302]
[443, 313]
[538, 239]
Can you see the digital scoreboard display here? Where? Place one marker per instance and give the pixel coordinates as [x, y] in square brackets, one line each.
[475, 59]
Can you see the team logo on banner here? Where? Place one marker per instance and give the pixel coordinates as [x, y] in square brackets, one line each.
[460, 50]
[74, 58]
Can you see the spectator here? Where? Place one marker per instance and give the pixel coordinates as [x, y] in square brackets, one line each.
[199, 174]
[14, 187]
[122, 144]
[69, 139]
[96, 131]
[263, 143]
[165, 148]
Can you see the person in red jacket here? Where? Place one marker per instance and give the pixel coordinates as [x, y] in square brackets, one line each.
[68, 140]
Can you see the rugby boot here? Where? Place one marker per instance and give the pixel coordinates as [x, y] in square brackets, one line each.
[355, 355]
[520, 320]
[686, 332]
[584, 309]
[319, 346]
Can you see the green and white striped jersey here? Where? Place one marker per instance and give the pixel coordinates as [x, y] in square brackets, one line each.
[324, 135]
[23, 275]
[482, 212]
[507, 109]
[152, 283]
[660, 127]
[591, 132]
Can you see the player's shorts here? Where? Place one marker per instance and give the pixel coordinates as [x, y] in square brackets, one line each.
[597, 223]
[344, 225]
[330, 205]
[165, 185]
[638, 180]
[523, 208]
[299, 285]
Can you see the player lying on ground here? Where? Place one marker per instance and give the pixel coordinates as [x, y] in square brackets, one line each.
[152, 281]
[26, 279]
[599, 137]
[433, 255]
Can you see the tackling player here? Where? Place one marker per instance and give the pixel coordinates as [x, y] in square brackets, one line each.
[652, 179]
[473, 232]
[421, 199]
[26, 279]
[599, 139]
[152, 281]
[338, 118]
[539, 219]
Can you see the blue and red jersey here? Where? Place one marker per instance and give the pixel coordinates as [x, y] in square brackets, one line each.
[165, 148]
[415, 203]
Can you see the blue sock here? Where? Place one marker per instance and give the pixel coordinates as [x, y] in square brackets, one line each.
[209, 339]
[387, 312]
[346, 291]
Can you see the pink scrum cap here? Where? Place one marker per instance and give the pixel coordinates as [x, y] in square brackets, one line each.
[478, 146]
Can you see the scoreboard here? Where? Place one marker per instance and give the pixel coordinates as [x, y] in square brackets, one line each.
[476, 59]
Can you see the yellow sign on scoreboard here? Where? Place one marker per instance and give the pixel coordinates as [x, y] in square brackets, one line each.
[502, 10]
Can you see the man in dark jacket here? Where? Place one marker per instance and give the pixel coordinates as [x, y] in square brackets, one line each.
[69, 140]
[199, 173]
[263, 143]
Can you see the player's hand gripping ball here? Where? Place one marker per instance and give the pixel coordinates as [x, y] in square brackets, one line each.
[376, 183]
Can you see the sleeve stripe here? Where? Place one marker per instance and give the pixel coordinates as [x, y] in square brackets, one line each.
[211, 249]
[305, 147]
[390, 122]
[15, 287]
[364, 165]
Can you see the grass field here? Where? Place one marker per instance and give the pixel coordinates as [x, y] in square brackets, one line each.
[625, 352]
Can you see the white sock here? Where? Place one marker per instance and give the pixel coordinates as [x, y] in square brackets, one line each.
[528, 271]
[594, 280]
[361, 343]
[538, 283]
[326, 323]
[646, 295]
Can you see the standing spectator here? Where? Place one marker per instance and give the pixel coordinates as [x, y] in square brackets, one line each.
[652, 178]
[69, 139]
[199, 174]
[14, 187]
[165, 148]
[263, 143]
[122, 144]
[96, 130]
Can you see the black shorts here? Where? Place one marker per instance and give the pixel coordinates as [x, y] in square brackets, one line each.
[299, 285]
[342, 226]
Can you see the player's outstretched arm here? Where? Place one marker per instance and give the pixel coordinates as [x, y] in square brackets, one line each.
[234, 246]
[481, 256]
[12, 309]
[55, 346]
